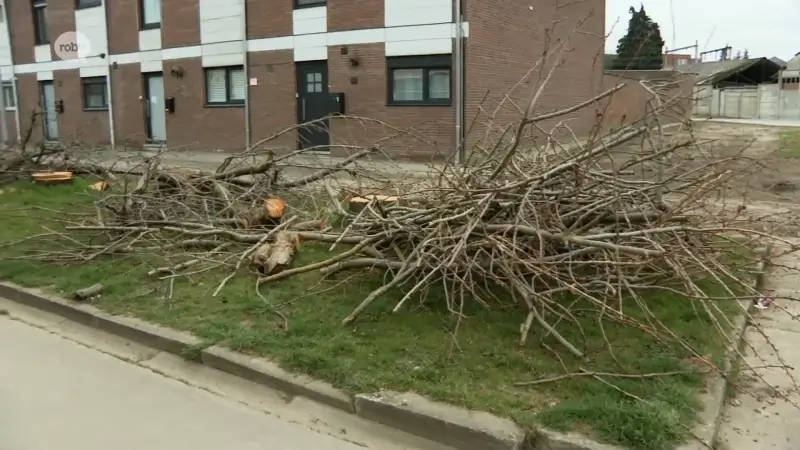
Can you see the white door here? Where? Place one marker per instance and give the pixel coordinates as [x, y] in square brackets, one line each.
[156, 108]
[50, 113]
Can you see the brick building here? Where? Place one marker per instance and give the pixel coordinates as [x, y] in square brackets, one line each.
[219, 74]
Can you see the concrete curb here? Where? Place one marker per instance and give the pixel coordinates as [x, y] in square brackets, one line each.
[408, 412]
[438, 422]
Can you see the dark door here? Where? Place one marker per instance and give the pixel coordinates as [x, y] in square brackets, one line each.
[312, 105]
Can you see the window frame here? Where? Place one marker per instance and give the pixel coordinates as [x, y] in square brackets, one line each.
[426, 63]
[314, 4]
[87, 4]
[40, 32]
[236, 103]
[151, 25]
[93, 81]
[10, 86]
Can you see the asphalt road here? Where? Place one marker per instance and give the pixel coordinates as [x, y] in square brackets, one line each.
[69, 388]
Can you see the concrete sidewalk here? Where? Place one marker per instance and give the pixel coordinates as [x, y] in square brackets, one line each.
[764, 413]
[68, 387]
[302, 165]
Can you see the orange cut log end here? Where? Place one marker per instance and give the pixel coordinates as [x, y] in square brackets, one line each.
[275, 207]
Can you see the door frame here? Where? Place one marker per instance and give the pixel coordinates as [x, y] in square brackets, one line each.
[146, 105]
[45, 130]
[299, 96]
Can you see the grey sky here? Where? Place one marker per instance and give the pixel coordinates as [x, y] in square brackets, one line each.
[765, 28]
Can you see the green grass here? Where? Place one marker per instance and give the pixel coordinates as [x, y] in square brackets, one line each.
[412, 350]
[790, 144]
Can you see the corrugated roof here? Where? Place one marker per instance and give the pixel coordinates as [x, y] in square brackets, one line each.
[708, 72]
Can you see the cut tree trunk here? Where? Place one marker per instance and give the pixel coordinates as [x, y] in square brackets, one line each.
[282, 252]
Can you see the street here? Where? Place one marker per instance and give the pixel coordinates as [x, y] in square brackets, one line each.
[68, 387]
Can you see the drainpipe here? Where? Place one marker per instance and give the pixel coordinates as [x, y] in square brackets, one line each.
[246, 68]
[458, 82]
[109, 94]
[13, 75]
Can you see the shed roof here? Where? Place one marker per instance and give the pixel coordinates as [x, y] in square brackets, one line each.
[714, 71]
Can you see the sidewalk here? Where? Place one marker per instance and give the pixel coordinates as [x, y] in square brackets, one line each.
[763, 413]
[303, 165]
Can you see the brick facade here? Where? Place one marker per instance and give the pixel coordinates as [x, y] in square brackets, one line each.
[506, 39]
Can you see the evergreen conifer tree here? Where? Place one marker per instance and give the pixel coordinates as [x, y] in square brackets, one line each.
[641, 48]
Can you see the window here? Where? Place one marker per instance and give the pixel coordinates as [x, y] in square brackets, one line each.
[225, 86]
[95, 93]
[87, 3]
[419, 80]
[151, 13]
[8, 96]
[40, 22]
[308, 3]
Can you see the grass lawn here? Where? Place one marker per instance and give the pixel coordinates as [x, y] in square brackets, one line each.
[411, 350]
[790, 144]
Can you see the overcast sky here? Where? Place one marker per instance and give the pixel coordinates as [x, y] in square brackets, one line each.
[765, 27]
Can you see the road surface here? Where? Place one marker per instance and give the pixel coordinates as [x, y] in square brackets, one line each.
[68, 387]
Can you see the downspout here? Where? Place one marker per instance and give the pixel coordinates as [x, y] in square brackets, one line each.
[246, 66]
[458, 90]
[109, 95]
[13, 75]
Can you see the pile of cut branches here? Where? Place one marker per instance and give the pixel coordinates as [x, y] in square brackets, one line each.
[531, 218]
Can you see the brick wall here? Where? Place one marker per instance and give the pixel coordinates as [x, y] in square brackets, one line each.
[60, 18]
[193, 126]
[123, 19]
[273, 106]
[355, 14]
[508, 39]
[20, 22]
[425, 131]
[268, 19]
[631, 102]
[180, 23]
[86, 128]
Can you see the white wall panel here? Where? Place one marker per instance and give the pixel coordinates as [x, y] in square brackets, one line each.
[420, 40]
[42, 53]
[5, 45]
[97, 71]
[193, 51]
[399, 13]
[91, 22]
[353, 37]
[267, 44]
[310, 20]
[45, 75]
[229, 59]
[419, 47]
[221, 21]
[310, 47]
[150, 40]
[311, 53]
[405, 40]
[152, 66]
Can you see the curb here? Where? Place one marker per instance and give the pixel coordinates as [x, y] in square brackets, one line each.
[409, 412]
